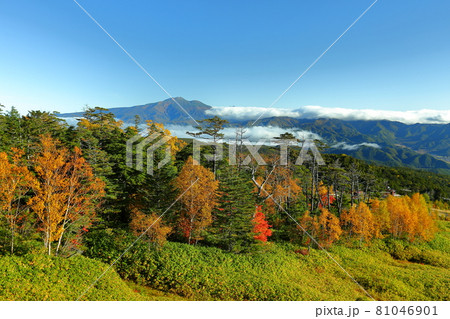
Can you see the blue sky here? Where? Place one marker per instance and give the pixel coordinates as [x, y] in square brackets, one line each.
[225, 53]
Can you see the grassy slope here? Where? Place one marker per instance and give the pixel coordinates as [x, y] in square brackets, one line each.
[39, 277]
[393, 271]
[180, 271]
[205, 273]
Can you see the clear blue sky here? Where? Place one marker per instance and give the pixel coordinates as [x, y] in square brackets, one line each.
[224, 53]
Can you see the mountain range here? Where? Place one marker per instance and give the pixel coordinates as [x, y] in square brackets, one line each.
[423, 146]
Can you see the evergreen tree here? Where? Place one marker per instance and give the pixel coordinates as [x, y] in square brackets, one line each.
[232, 219]
[211, 129]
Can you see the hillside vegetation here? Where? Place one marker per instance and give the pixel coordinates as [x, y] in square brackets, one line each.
[207, 228]
[38, 277]
[388, 270]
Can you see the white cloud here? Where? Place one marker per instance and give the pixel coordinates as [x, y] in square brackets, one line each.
[250, 112]
[408, 117]
[253, 133]
[70, 120]
[311, 112]
[352, 147]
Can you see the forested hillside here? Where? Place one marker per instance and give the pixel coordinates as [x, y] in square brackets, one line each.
[208, 229]
[391, 143]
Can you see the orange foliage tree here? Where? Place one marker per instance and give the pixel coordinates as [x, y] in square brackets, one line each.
[381, 217]
[403, 223]
[328, 228]
[326, 197]
[425, 226]
[198, 188]
[358, 221]
[410, 217]
[158, 231]
[308, 223]
[66, 193]
[15, 182]
[261, 227]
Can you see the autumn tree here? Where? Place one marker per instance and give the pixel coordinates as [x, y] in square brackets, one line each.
[198, 190]
[261, 227]
[326, 196]
[15, 181]
[403, 223]
[381, 217]
[358, 221]
[425, 227]
[156, 231]
[280, 191]
[309, 224]
[65, 195]
[328, 228]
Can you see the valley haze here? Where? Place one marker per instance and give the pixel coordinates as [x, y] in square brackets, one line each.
[416, 139]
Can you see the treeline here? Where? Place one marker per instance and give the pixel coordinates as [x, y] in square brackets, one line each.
[59, 183]
[397, 217]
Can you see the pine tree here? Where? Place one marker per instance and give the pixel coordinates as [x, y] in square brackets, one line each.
[211, 129]
[232, 226]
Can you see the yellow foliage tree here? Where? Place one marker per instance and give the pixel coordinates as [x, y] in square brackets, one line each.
[425, 227]
[158, 231]
[403, 222]
[174, 143]
[359, 222]
[308, 223]
[198, 188]
[328, 228]
[381, 217]
[15, 181]
[66, 193]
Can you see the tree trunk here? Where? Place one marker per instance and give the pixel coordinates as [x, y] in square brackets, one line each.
[12, 240]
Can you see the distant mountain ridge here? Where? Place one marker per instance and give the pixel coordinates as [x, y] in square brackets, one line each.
[423, 138]
[425, 146]
[166, 112]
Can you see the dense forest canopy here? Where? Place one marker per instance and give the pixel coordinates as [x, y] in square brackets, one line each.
[64, 190]
[85, 166]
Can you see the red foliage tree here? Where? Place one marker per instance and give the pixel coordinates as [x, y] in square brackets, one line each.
[261, 227]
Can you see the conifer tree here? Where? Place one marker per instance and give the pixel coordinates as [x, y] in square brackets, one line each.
[232, 226]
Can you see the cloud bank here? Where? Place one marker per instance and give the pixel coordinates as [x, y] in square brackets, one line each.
[426, 116]
[250, 113]
[353, 147]
[254, 133]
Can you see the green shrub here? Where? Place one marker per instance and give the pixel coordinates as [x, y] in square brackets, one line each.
[208, 273]
[41, 277]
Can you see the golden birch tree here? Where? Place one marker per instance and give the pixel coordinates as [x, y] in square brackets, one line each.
[199, 189]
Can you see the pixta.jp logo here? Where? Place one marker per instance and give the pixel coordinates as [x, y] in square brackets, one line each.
[140, 150]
